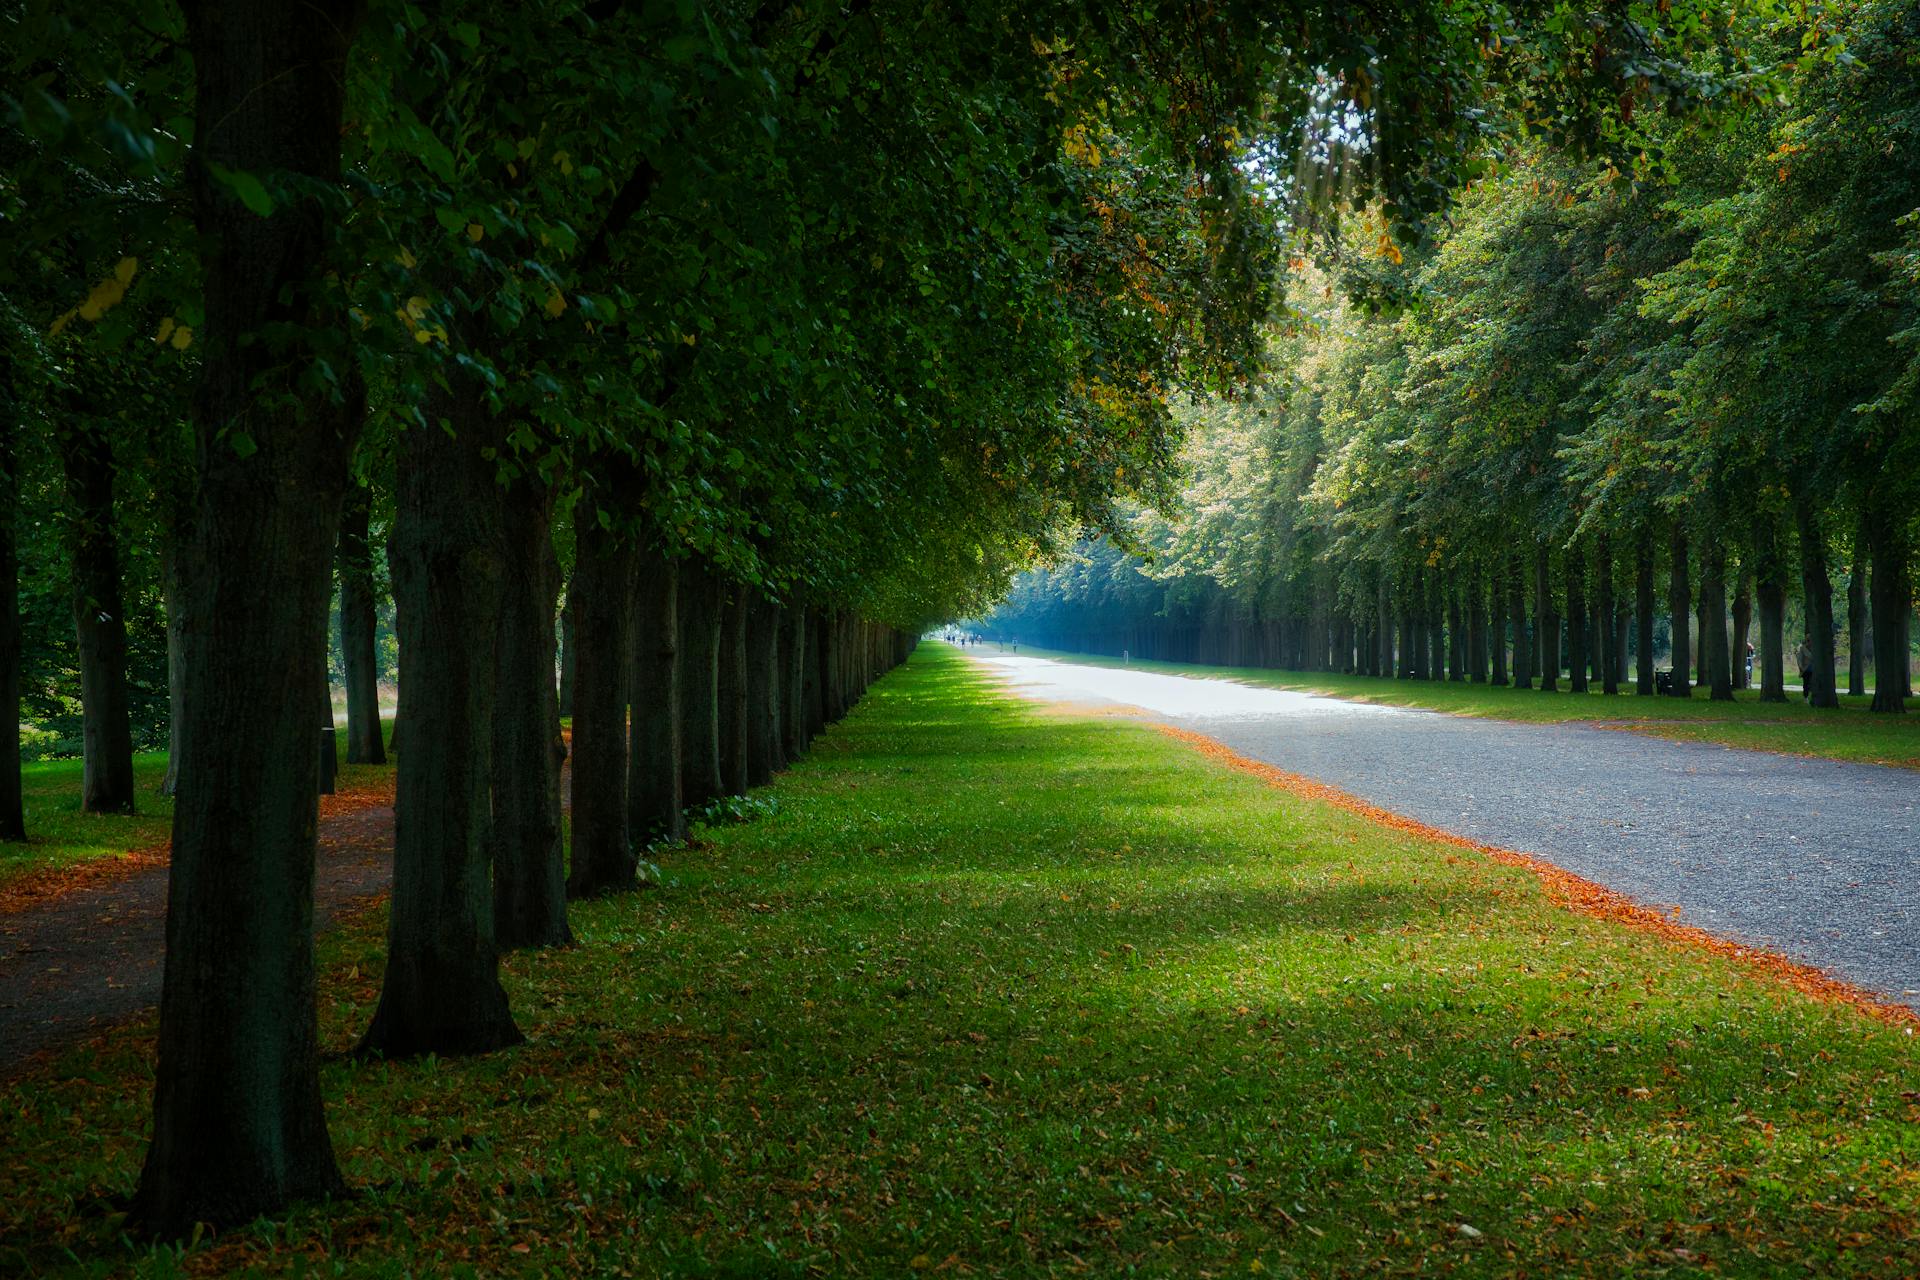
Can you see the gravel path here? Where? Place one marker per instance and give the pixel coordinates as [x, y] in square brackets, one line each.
[1814, 859]
[74, 965]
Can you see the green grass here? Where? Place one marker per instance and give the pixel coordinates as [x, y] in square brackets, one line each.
[995, 991]
[1850, 732]
[60, 836]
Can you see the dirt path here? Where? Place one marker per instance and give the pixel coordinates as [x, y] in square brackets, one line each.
[74, 964]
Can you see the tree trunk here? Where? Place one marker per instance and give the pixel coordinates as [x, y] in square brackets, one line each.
[603, 574]
[1497, 627]
[1679, 603]
[529, 863]
[1892, 603]
[1772, 592]
[1713, 610]
[442, 993]
[1643, 678]
[815, 668]
[1547, 633]
[1742, 625]
[655, 763]
[358, 620]
[1603, 599]
[764, 756]
[733, 690]
[794, 627]
[100, 627]
[239, 1129]
[1522, 634]
[700, 613]
[1817, 603]
[13, 822]
[1576, 619]
[1858, 643]
[1383, 634]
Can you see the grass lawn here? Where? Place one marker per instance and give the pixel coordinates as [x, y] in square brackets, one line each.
[60, 837]
[1850, 732]
[998, 991]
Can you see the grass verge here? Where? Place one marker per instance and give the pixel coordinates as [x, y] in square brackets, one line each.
[997, 991]
[1849, 732]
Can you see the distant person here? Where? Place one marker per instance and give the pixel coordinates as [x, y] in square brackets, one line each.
[1804, 656]
[1124, 659]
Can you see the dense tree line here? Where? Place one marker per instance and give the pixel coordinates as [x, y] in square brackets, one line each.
[1600, 423]
[741, 341]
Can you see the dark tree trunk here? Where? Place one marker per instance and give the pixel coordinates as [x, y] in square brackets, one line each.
[442, 993]
[1522, 634]
[174, 593]
[1713, 610]
[566, 653]
[815, 664]
[100, 627]
[1547, 633]
[1644, 684]
[1456, 631]
[700, 614]
[1816, 587]
[1497, 626]
[733, 690]
[1436, 627]
[529, 864]
[1679, 603]
[1892, 603]
[1771, 588]
[239, 1128]
[654, 759]
[1576, 570]
[833, 701]
[603, 572]
[13, 822]
[358, 619]
[1603, 598]
[794, 628]
[1859, 643]
[1742, 626]
[1383, 606]
[764, 755]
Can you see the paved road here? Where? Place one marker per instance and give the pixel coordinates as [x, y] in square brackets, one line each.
[1814, 859]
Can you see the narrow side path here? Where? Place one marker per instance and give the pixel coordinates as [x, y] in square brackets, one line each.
[1813, 859]
[75, 964]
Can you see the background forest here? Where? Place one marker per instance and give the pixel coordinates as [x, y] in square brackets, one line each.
[1687, 392]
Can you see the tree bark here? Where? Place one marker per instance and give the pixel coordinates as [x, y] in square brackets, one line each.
[1547, 632]
[1522, 634]
[529, 863]
[1679, 605]
[1742, 626]
[1859, 645]
[1603, 599]
[794, 626]
[764, 756]
[1771, 589]
[1576, 570]
[700, 616]
[239, 1129]
[1892, 603]
[733, 694]
[358, 621]
[442, 993]
[603, 575]
[99, 624]
[1643, 678]
[1713, 609]
[654, 757]
[1817, 603]
[1497, 627]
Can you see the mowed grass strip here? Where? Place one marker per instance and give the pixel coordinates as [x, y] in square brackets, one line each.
[1846, 732]
[995, 991]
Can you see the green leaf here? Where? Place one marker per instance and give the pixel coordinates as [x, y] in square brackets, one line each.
[250, 190]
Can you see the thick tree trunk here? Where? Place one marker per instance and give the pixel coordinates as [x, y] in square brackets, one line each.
[1497, 627]
[100, 627]
[1522, 633]
[654, 759]
[239, 1128]
[1606, 605]
[442, 993]
[358, 620]
[1383, 634]
[700, 603]
[764, 754]
[529, 863]
[1771, 589]
[1816, 587]
[1679, 604]
[1436, 627]
[733, 690]
[1547, 632]
[1456, 631]
[1643, 678]
[1713, 609]
[1742, 626]
[815, 668]
[794, 627]
[603, 574]
[1859, 644]
[13, 822]
[1892, 603]
[1576, 571]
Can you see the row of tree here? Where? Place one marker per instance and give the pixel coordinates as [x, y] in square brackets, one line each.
[808, 323]
[1687, 400]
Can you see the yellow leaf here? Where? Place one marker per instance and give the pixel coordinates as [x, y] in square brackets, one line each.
[166, 328]
[565, 161]
[406, 259]
[689, 338]
[555, 304]
[182, 335]
[107, 294]
[475, 231]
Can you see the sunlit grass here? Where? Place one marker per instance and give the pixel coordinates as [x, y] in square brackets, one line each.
[997, 992]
